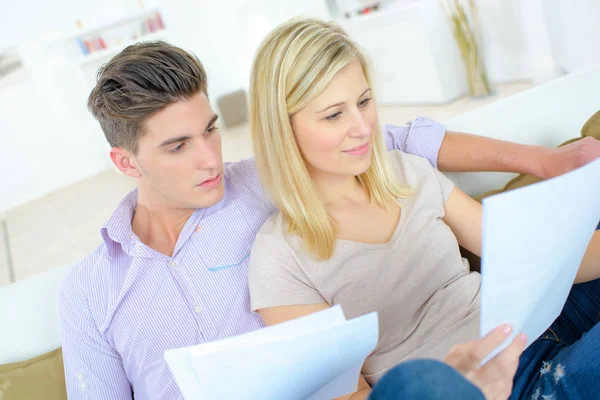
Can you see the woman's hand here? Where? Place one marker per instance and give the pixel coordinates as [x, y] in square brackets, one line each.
[495, 378]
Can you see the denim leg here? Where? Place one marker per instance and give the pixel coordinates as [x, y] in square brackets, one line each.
[528, 372]
[580, 313]
[573, 373]
[565, 361]
[424, 380]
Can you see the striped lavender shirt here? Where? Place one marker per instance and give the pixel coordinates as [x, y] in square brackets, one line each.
[125, 304]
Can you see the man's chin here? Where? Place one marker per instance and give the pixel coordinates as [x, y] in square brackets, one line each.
[208, 198]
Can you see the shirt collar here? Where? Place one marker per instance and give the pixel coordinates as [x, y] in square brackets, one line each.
[117, 232]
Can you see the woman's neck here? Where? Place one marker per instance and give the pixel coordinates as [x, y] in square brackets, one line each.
[336, 190]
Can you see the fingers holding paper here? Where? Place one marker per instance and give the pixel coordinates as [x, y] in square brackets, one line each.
[495, 378]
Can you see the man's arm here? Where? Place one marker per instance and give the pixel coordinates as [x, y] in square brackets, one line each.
[93, 370]
[465, 152]
[461, 152]
[422, 137]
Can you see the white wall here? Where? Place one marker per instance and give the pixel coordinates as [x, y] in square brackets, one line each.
[47, 142]
[574, 30]
[264, 15]
[516, 41]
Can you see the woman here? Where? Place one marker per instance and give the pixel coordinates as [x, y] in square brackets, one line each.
[366, 230]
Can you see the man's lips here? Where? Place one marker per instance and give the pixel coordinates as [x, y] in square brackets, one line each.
[211, 181]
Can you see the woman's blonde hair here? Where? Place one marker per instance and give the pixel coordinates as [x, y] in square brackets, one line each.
[292, 66]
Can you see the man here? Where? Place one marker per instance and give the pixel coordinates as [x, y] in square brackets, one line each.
[171, 271]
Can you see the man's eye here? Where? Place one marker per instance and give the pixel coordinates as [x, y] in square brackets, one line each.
[178, 148]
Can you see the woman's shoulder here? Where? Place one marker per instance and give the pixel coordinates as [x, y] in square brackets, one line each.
[409, 168]
[402, 158]
[273, 226]
[274, 239]
[272, 236]
[417, 173]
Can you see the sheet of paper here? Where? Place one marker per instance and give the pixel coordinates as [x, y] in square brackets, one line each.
[315, 357]
[534, 239]
[301, 326]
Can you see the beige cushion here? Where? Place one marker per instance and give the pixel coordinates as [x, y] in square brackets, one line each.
[592, 127]
[39, 378]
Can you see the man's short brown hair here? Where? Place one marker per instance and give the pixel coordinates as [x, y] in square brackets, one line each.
[137, 83]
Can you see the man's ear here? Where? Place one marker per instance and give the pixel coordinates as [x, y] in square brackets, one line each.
[124, 161]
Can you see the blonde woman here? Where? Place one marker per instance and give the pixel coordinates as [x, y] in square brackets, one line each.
[378, 232]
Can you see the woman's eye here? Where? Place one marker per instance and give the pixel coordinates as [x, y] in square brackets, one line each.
[333, 117]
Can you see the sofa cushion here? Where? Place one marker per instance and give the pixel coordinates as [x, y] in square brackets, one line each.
[31, 306]
[592, 127]
[41, 377]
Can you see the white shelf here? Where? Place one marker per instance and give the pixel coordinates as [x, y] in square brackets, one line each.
[111, 51]
[106, 25]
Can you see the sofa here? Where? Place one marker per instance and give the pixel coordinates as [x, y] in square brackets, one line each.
[547, 115]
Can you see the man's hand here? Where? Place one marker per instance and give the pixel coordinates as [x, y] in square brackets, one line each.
[554, 162]
[495, 378]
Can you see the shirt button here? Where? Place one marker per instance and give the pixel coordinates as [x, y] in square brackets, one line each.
[198, 228]
[80, 376]
[83, 386]
[172, 264]
[198, 309]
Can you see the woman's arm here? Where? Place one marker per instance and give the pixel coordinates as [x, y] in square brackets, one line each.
[276, 315]
[590, 265]
[464, 217]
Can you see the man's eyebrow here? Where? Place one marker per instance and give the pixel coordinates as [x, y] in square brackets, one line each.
[214, 119]
[176, 139]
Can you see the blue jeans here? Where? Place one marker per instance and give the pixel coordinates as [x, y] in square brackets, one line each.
[424, 380]
[564, 363]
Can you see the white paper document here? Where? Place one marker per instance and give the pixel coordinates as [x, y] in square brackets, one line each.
[316, 357]
[534, 239]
